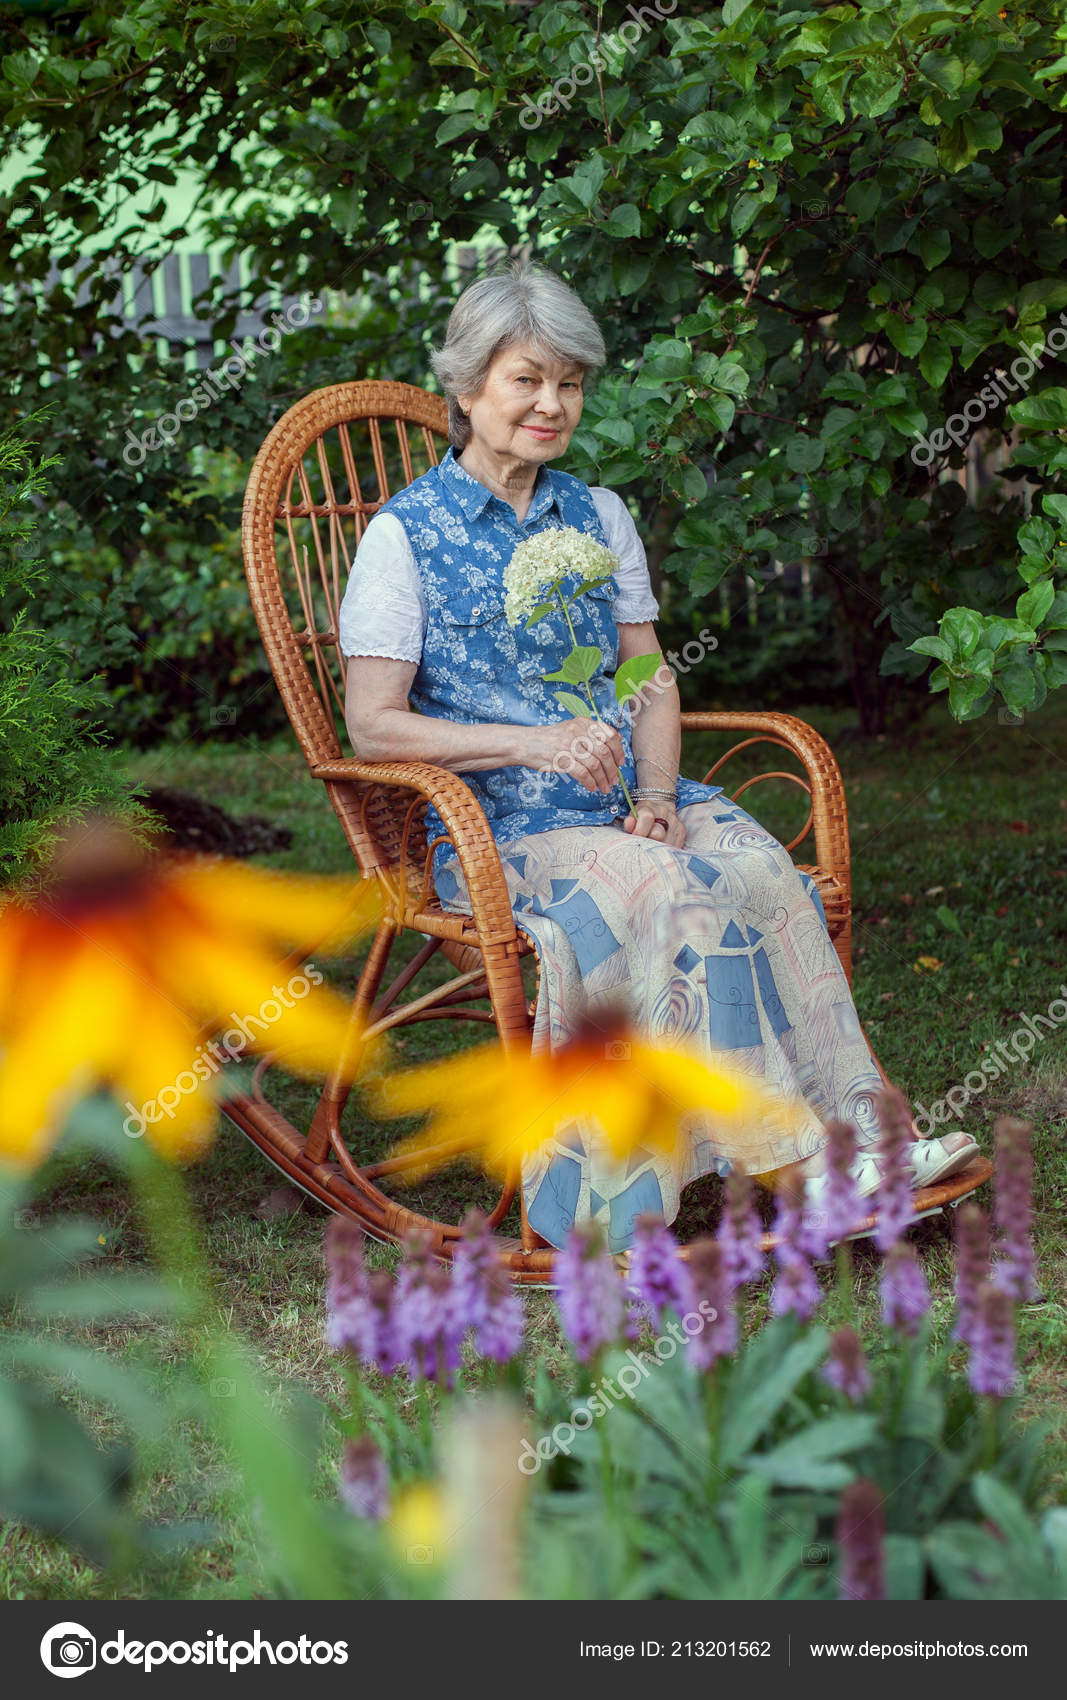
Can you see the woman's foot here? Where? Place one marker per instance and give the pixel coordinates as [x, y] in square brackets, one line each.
[955, 1152]
[931, 1160]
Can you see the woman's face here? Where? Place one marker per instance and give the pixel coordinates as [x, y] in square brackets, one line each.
[528, 406]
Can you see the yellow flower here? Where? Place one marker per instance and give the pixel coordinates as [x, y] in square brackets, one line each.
[507, 1106]
[111, 972]
[416, 1524]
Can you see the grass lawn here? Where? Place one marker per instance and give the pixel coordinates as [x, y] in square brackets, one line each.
[958, 850]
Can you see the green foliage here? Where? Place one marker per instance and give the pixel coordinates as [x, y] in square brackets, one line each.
[53, 1472]
[169, 627]
[52, 766]
[811, 236]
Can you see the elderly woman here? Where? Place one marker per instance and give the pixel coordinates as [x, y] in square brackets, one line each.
[684, 910]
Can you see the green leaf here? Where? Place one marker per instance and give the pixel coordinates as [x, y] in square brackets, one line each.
[876, 91]
[635, 672]
[814, 1457]
[732, 10]
[1055, 505]
[965, 695]
[935, 646]
[990, 236]
[1047, 410]
[962, 629]
[948, 918]
[804, 454]
[1056, 617]
[997, 631]
[944, 70]
[743, 212]
[580, 665]
[1018, 685]
[763, 1380]
[934, 246]
[625, 221]
[1035, 603]
[539, 613]
[907, 337]
[863, 197]
[617, 429]
[983, 130]
[574, 705]
[1037, 536]
[935, 362]
[730, 376]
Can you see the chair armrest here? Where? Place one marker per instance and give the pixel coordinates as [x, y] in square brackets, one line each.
[464, 821]
[829, 812]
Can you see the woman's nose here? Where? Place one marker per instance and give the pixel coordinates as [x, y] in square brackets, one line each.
[551, 404]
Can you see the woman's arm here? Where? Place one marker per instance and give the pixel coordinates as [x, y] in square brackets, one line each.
[382, 728]
[657, 739]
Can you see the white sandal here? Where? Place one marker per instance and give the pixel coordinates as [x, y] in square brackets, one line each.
[930, 1162]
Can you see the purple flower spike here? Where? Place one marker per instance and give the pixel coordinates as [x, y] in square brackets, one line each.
[842, 1209]
[740, 1232]
[1013, 1209]
[712, 1301]
[591, 1296]
[382, 1345]
[657, 1274]
[499, 1336]
[904, 1292]
[972, 1267]
[795, 1287]
[346, 1284]
[365, 1480]
[896, 1199]
[472, 1261]
[992, 1363]
[860, 1535]
[846, 1369]
[426, 1334]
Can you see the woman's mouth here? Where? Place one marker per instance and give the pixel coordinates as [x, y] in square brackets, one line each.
[542, 431]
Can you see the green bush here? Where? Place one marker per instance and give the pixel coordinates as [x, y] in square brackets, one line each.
[52, 763]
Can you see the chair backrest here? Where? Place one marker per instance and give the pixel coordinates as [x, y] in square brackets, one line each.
[325, 469]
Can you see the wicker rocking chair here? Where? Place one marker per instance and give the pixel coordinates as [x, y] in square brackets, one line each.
[323, 471]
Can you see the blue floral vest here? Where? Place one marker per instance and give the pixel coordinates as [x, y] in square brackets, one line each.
[475, 667]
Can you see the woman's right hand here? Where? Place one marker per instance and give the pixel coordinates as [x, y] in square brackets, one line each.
[589, 751]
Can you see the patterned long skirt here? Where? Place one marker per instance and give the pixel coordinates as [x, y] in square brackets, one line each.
[720, 945]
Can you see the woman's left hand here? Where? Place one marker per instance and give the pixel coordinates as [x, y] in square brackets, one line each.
[648, 823]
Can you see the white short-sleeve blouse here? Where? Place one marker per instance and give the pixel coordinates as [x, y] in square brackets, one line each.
[383, 612]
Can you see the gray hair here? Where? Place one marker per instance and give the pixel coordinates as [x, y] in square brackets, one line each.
[520, 303]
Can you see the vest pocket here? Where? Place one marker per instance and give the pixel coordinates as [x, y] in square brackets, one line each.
[473, 608]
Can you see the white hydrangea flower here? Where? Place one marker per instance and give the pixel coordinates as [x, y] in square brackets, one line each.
[539, 563]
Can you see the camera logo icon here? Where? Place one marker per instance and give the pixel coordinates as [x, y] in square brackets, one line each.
[68, 1650]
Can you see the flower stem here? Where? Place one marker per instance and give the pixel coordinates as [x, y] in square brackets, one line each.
[990, 1427]
[592, 704]
[843, 1261]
